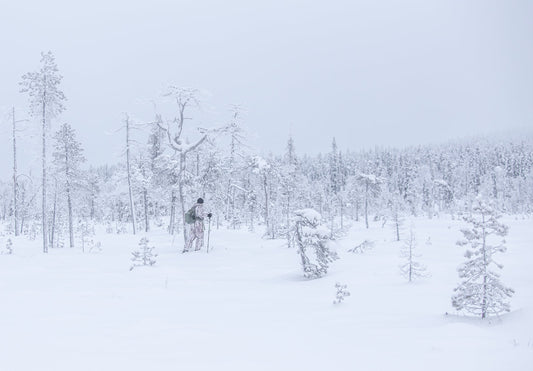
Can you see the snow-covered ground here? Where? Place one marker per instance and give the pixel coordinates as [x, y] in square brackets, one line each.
[246, 306]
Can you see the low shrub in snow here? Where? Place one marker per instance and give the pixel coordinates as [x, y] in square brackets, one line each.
[362, 247]
[342, 292]
[6, 247]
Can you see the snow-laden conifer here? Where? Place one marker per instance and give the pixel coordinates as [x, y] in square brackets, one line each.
[144, 256]
[411, 268]
[311, 235]
[68, 156]
[480, 291]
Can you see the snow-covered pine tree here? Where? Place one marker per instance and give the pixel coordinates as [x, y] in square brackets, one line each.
[143, 256]
[480, 291]
[411, 269]
[46, 102]
[310, 234]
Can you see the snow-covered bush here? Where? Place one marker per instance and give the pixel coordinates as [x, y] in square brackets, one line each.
[6, 247]
[310, 234]
[480, 291]
[362, 247]
[93, 246]
[342, 292]
[411, 269]
[143, 256]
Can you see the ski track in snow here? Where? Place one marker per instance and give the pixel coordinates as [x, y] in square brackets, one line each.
[246, 306]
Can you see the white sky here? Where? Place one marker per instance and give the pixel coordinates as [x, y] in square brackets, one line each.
[367, 72]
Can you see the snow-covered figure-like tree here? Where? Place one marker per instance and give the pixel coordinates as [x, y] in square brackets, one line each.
[411, 269]
[46, 102]
[310, 234]
[194, 219]
[481, 292]
[144, 256]
[342, 292]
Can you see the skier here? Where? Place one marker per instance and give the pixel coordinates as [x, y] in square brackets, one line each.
[194, 219]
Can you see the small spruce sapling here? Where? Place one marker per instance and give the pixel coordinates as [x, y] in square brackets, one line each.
[143, 256]
[480, 291]
[342, 292]
[411, 269]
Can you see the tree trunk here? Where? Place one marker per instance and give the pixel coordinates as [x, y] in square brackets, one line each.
[172, 221]
[267, 201]
[70, 224]
[182, 196]
[366, 205]
[54, 212]
[132, 206]
[146, 220]
[15, 206]
[484, 301]
[45, 241]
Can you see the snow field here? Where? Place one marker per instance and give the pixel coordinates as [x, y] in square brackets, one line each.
[246, 306]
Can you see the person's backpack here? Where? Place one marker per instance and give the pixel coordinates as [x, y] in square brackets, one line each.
[190, 216]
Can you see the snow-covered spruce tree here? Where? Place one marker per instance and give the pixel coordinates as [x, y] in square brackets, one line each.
[67, 159]
[143, 256]
[411, 269]
[310, 234]
[480, 291]
[46, 102]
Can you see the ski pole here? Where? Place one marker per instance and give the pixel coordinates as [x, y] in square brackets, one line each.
[208, 230]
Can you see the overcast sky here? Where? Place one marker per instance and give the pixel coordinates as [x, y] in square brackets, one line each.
[367, 72]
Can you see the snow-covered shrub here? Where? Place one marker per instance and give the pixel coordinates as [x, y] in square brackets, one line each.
[93, 246]
[109, 227]
[411, 269]
[120, 227]
[362, 247]
[6, 247]
[310, 234]
[143, 256]
[480, 291]
[342, 292]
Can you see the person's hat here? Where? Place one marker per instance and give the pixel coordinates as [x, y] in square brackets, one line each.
[200, 201]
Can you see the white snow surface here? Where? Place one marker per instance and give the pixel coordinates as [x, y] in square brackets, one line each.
[246, 306]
